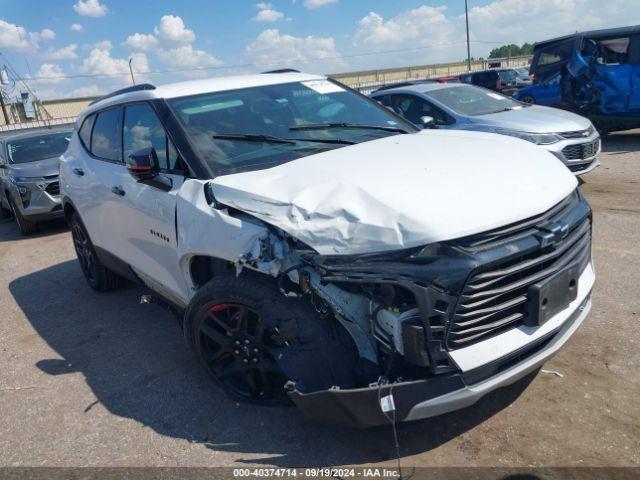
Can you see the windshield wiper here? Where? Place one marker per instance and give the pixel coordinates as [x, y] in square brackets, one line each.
[250, 137]
[322, 126]
[325, 140]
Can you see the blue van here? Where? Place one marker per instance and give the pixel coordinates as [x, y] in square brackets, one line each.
[618, 45]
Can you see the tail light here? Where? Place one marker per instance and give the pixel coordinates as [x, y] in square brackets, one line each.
[533, 78]
[498, 84]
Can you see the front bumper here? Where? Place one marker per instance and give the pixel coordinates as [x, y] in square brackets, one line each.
[579, 154]
[41, 201]
[480, 373]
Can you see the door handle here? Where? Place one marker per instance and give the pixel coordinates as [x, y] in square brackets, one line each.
[79, 172]
[117, 190]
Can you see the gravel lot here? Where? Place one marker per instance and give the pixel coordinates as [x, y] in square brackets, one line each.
[98, 379]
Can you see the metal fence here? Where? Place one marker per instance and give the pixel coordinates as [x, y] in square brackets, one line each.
[370, 80]
[36, 124]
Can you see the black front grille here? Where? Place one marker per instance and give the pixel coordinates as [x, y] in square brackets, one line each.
[53, 188]
[581, 151]
[494, 298]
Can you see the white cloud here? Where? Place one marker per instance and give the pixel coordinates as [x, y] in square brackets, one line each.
[516, 21]
[87, 91]
[64, 53]
[426, 33]
[271, 49]
[422, 25]
[103, 45]
[49, 73]
[266, 13]
[172, 29]
[100, 62]
[187, 56]
[76, 27]
[15, 37]
[318, 3]
[90, 8]
[47, 34]
[140, 42]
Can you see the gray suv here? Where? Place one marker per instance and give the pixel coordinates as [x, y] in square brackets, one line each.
[29, 176]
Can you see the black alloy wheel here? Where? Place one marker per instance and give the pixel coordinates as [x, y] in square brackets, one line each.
[84, 250]
[235, 348]
[528, 99]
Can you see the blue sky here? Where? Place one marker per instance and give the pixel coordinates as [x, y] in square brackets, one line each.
[82, 47]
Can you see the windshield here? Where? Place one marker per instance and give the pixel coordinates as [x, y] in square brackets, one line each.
[508, 75]
[260, 127]
[37, 148]
[523, 72]
[470, 100]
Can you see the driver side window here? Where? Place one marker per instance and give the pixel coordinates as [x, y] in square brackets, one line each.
[413, 108]
[142, 129]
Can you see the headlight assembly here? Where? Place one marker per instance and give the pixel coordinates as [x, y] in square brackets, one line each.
[25, 180]
[537, 138]
[431, 250]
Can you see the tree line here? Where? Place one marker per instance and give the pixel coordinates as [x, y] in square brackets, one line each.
[512, 50]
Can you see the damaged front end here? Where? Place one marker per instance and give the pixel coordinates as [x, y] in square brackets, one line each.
[604, 92]
[405, 312]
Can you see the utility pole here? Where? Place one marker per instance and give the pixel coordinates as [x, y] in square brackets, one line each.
[133, 80]
[4, 80]
[466, 16]
[4, 109]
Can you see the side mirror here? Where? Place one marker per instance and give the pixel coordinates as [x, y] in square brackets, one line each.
[428, 122]
[143, 164]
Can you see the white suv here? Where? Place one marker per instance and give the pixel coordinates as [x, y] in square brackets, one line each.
[320, 250]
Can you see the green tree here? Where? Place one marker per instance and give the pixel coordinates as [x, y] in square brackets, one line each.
[511, 50]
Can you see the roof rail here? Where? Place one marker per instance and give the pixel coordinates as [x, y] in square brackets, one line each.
[405, 84]
[134, 88]
[283, 70]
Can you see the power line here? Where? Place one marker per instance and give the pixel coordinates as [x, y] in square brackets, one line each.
[253, 65]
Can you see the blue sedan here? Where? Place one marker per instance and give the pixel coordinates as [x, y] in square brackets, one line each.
[544, 93]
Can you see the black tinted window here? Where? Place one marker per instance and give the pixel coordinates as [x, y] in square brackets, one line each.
[413, 108]
[556, 53]
[143, 129]
[105, 140]
[85, 130]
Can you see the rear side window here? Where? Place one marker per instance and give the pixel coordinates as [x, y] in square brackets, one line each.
[105, 140]
[142, 129]
[558, 52]
[85, 130]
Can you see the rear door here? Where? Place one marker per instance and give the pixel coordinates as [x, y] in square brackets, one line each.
[149, 207]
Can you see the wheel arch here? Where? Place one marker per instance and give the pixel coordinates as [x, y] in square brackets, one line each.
[202, 268]
[69, 209]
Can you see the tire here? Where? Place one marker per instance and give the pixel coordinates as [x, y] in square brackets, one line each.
[528, 99]
[99, 277]
[26, 227]
[250, 339]
[5, 212]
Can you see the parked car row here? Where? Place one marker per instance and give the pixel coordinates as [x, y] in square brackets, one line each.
[323, 249]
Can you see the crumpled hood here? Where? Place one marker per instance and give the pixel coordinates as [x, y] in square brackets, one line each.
[41, 168]
[401, 191]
